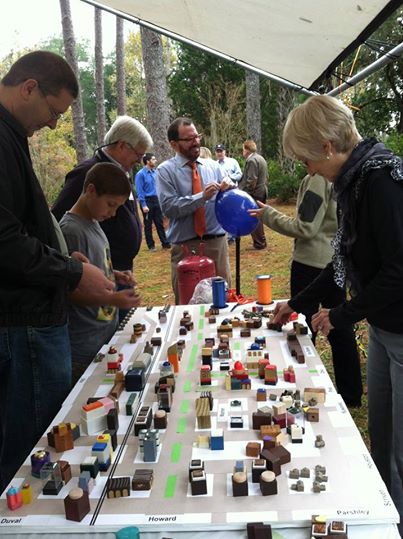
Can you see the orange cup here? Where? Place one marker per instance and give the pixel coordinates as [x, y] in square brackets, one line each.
[264, 289]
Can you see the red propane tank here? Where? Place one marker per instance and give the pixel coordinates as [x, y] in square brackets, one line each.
[191, 270]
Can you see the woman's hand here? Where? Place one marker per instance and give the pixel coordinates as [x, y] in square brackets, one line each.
[321, 322]
[282, 312]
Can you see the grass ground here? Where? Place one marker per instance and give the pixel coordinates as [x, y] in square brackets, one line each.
[152, 271]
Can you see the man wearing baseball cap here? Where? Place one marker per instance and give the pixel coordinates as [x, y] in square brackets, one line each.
[228, 165]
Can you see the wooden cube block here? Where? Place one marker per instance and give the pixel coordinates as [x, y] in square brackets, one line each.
[253, 449]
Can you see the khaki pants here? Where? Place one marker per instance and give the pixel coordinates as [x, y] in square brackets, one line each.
[216, 249]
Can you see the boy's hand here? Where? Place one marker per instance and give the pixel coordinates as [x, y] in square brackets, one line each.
[125, 299]
[124, 277]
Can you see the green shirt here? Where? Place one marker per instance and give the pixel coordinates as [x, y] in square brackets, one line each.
[314, 226]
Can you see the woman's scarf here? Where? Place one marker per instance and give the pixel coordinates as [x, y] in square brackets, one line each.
[369, 154]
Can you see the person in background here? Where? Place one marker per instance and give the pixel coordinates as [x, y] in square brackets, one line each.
[150, 207]
[368, 257]
[313, 229]
[35, 355]
[254, 182]
[125, 144]
[205, 153]
[106, 188]
[230, 168]
[186, 187]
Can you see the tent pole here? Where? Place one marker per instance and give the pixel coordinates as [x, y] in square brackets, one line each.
[390, 56]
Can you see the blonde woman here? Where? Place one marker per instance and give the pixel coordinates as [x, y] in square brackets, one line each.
[368, 184]
[205, 153]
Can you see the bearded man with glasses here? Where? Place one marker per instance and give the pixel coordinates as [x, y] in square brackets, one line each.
[191, 211]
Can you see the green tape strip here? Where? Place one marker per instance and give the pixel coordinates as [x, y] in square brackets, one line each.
[192, 358]
[313, 371]
[180, 429]
[201, 324]
[170, 486]
[236, 346]
[200, 336]
[202, 310]
[176, 452]
[184, 407]
[187, 386]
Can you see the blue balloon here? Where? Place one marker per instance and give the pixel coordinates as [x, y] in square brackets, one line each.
[231, 210]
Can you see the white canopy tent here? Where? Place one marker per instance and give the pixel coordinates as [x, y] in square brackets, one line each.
[295, 42]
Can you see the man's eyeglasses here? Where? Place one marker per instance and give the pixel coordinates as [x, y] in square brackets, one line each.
[190, 139]
[138, 154]
[53, 114]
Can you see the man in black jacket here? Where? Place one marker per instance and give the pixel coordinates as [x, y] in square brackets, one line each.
[35, 359]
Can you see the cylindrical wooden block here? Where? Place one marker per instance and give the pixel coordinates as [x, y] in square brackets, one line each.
[268, 483]
[76, 493]
[239, 484]
[160, 419]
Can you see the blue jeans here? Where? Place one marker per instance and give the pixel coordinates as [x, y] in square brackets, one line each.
[35, 378]
[154, 216]
[385, 408]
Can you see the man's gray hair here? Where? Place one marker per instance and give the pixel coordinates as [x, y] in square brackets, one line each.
[129, 130]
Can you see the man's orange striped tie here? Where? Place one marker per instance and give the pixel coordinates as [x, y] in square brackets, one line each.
[199, 216]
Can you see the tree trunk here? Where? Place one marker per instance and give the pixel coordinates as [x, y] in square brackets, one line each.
[168, 66]
[253, 116]
[99, 78]
[285, 103]
[399, 127]
[77, 106]
[120, 67]
[158, 109]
